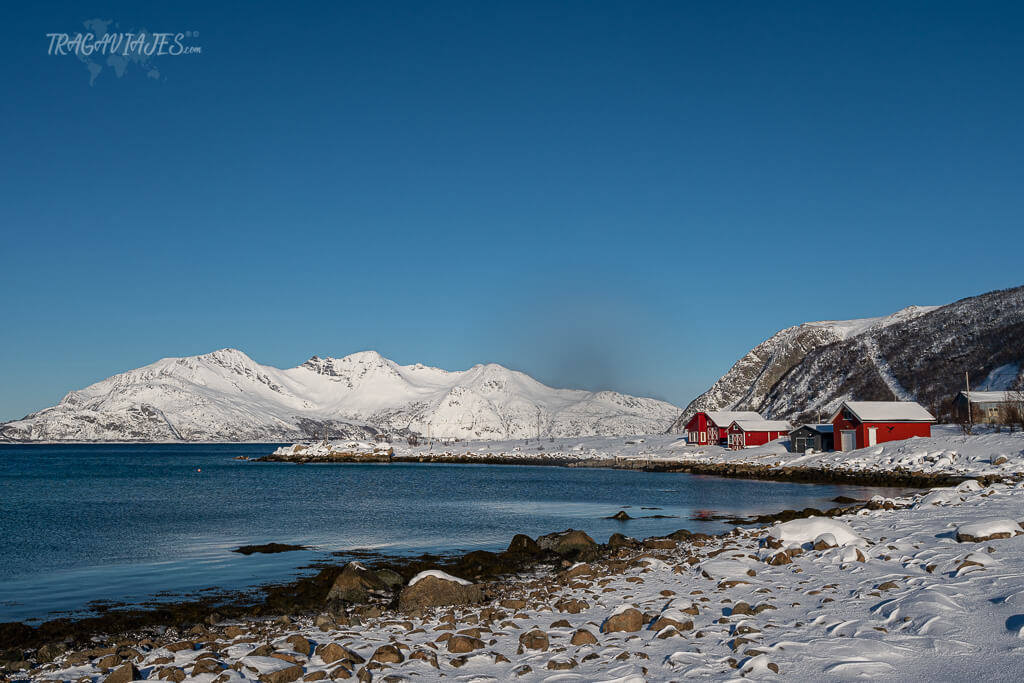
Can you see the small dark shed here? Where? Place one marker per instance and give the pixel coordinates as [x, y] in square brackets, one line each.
[818, 437]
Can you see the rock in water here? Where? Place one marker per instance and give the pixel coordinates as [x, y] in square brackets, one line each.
[437, 589]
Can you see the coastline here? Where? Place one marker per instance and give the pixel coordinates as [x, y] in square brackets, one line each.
[889, 554]
[804, 475]
[881, 589]
[306, 594]
[944, 459]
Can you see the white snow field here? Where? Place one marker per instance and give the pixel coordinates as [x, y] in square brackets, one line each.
[947, 451]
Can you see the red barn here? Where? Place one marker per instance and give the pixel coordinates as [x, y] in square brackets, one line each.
[861, 424]
[744, 433]
[712, 427]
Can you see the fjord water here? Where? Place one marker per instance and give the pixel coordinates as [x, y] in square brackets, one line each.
[84, 523]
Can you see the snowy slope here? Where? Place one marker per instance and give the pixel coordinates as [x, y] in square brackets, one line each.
[919, 353]
[225, 395]
[749, 381]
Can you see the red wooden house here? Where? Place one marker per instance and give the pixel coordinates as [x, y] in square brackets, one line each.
[861, 424]
[744, 433]
[712, 427]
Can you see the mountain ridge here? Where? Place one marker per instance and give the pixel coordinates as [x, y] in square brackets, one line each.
[225, 395]
[918, 353]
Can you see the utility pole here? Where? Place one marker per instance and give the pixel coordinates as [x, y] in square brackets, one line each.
[967, 395]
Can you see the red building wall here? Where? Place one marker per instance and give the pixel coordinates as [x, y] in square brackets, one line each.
[754, 438]
[892, 431]
[698, 423]
[885, 431]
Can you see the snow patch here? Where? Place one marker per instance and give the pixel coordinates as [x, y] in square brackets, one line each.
[438, 574]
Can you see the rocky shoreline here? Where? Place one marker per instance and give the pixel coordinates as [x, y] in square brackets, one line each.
[922, 587]
[349, 593]
[928, 572]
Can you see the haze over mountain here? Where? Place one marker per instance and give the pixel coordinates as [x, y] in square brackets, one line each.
[919, 353]
[227, 396]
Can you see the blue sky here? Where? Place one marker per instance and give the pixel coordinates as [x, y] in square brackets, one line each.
[604, 195]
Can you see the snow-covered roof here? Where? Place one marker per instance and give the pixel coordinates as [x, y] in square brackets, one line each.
[763, 425]
[887, 411]
[993, 396]
[823, 428]
[724, 418]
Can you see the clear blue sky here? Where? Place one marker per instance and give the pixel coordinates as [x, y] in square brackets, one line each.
[604, 195]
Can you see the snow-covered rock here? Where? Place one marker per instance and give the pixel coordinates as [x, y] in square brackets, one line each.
[987, 529]
[438, 574]
[810, 529]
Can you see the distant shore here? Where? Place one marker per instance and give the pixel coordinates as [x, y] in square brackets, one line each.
[806, 475]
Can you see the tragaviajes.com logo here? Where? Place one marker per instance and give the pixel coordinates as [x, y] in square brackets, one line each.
[98, 47]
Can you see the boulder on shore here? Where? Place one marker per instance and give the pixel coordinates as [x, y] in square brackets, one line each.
[571, 544]
[355, 583]
[618, 540]
[987, 530]
[436, 589]
[123, 674]
[626, 619]
[523, 544]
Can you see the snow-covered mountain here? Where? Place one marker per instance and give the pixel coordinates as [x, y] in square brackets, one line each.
[226, 396]
[918, 353]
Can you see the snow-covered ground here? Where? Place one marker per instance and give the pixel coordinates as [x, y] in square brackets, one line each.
[916, 593]
[946, 451]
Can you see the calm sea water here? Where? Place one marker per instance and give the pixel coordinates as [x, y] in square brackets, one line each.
[133, 522]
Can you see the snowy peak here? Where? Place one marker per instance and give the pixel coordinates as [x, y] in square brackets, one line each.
[225, 395]
[845, 329]
[354, 368]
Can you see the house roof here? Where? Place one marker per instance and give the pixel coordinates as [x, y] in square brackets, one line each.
[724, 418]
[993, 396]
[763, 425]
[886, 411]
[820, 428]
